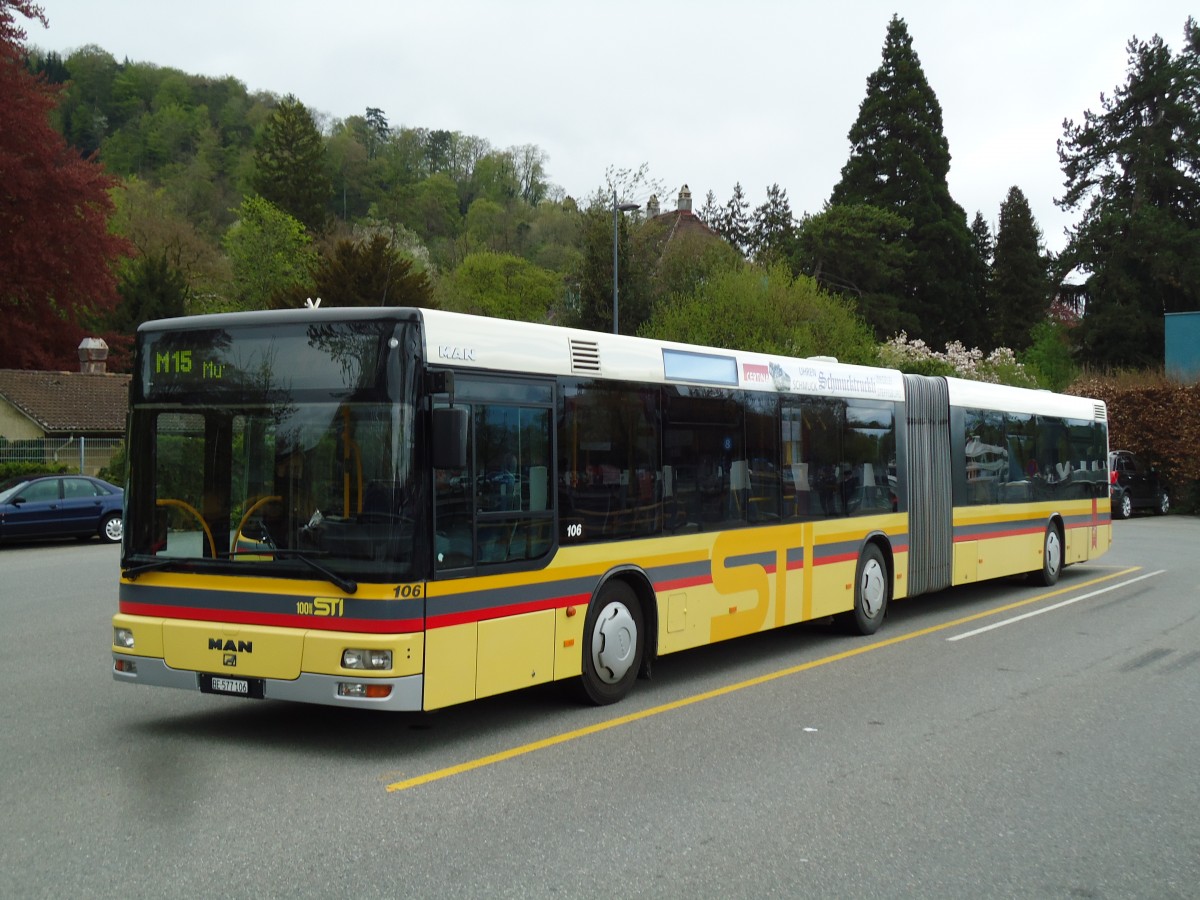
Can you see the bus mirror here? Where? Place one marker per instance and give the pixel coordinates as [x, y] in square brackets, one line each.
[450, 437]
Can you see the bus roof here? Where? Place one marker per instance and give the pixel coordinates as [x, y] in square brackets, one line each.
[502, 345]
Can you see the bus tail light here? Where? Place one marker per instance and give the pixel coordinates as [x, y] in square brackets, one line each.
[358, 689]
[123, 638]
[128, 666]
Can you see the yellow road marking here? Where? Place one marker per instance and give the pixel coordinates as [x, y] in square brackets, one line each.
[598, 727]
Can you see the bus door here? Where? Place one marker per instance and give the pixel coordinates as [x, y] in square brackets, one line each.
[499, 507]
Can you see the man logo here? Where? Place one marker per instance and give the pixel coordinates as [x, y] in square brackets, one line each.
[230, 659]
[231, 646]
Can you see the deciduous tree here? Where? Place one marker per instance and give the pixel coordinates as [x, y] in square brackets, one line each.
[270, 251]
[57, 257]
[769, 310]
[502, 286]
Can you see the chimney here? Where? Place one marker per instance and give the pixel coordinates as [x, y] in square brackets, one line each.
[685, 199]
[93, 353]
[652, 206]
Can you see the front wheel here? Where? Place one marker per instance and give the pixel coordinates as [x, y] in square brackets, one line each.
[1163, 506]
[871, 591]
[613, 636]
[112, 528]
[1052, 557]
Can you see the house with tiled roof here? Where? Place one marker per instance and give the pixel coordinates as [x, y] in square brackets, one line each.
[76, 419]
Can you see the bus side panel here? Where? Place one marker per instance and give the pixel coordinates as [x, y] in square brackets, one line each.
[450, 664]
[966, 562]
[515, 652]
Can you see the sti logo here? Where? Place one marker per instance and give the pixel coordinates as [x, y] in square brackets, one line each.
[755, 373]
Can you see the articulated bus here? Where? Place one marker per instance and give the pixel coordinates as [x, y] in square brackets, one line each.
[406, 509]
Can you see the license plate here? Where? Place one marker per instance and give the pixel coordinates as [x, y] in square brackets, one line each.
[234, 687]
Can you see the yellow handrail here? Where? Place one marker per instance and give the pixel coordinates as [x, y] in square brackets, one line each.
[212, 547]
[261, 501]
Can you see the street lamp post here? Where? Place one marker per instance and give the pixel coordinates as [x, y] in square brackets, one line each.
[617, 209]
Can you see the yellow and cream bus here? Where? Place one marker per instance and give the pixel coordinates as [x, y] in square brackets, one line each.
[406, 509]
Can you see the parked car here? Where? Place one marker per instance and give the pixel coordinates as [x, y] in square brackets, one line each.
[1133, 485]
[54, 506]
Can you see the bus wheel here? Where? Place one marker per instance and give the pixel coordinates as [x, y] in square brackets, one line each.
[1052, 557]
[612, 644]
[870, 593]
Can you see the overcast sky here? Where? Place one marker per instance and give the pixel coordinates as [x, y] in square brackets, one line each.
[705, 92]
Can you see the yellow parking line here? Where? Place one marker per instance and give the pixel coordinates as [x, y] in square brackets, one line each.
[598, 727]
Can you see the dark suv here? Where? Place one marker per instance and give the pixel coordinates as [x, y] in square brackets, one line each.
[1134, 485]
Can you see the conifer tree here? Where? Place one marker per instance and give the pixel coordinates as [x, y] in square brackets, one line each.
[899, 161]
[289, 164]
[734, 222]
[1020, 285]
[981, 267]
[773, 232]
[1133, 169]
[710, 213]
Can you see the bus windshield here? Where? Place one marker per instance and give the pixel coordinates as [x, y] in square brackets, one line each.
[286, 450]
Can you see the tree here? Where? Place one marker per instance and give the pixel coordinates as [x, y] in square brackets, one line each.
[859, 251]
[710, 213]
[899, 161]
[290, 165]
[981, 268]
[1133, 170]
[270, 252]
[773, 228]
[733, 224]
[1020, 284]
[58, 262]
[768, 310]
[502, 286]
[369, 272]
[151, 288]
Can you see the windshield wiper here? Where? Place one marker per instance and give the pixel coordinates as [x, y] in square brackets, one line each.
[332, 577]
[134, 571]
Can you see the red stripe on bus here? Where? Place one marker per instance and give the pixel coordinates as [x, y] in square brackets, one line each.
[1014, 532]
[499, 612]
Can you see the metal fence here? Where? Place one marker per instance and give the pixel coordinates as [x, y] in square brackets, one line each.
[87, 455]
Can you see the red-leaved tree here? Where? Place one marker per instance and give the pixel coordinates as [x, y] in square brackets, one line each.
[57, 257]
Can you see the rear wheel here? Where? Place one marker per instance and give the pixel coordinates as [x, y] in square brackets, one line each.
[613, 636]
[1164, 504]
[871, 591]
[1124, 505]
[1052, 557]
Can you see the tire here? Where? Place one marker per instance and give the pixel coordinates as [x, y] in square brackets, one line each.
[111, 529]
[613, 637]
[1124, 506]
[1163, 506]
[872, 588]
[1052, 557]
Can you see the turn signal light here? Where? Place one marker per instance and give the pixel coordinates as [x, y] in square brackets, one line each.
[368, 691]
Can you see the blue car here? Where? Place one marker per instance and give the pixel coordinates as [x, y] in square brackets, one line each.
[56, 506]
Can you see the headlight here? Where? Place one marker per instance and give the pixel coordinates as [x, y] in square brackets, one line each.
[123, 637]
[366, 659]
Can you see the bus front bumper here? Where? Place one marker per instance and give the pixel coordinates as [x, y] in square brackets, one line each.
[405, 695]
